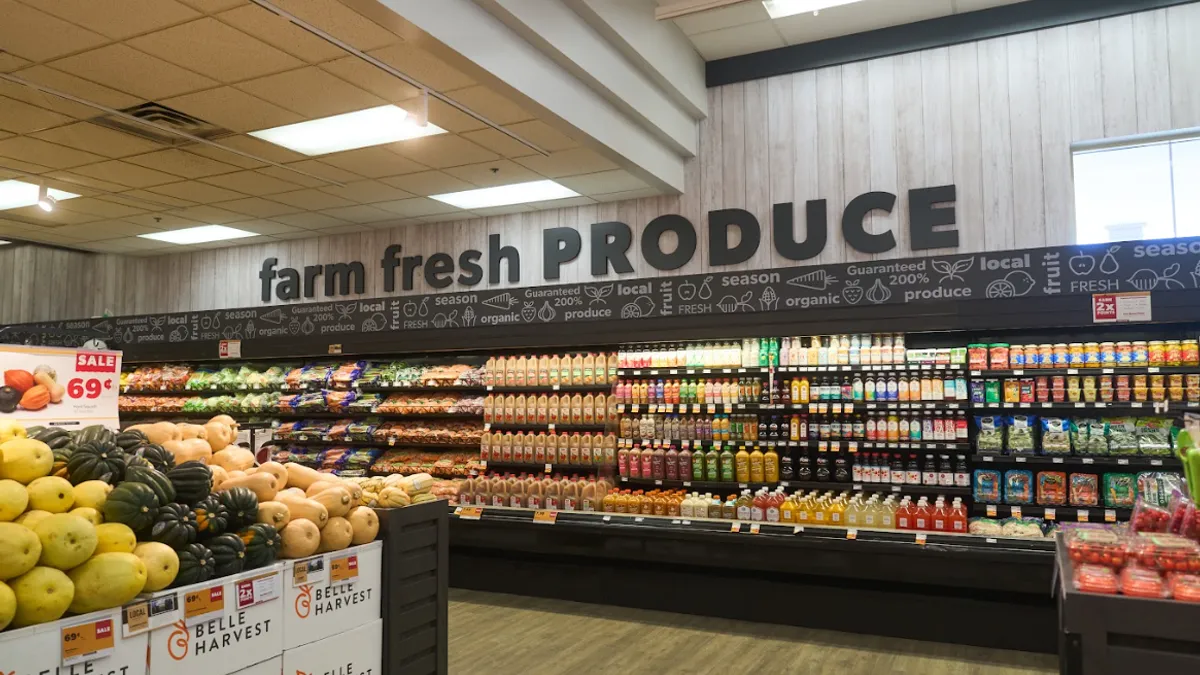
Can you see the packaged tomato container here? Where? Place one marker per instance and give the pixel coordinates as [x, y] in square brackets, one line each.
[1096, 547]
[1166, 552]
[1142, 582]
[1149, 518]
[1095, 579]
[1184, 587]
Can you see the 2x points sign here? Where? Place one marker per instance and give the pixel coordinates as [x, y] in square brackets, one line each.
[931, 219]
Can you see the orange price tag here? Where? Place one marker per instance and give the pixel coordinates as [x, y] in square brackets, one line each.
[1083, 515]
[754, 527]
[735, 526]
[87, 641]
[343, 570]
[920, 538]
[1110, 516]
[469, 512]
[991, 510]
[852, 534]
[545, 517]
[203, 602]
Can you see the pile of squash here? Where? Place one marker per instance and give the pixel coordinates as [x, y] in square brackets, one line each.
[394, 490]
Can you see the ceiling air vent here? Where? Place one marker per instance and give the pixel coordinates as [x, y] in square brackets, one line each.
[165, 117]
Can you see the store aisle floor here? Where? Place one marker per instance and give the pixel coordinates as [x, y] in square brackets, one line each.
[493, 634]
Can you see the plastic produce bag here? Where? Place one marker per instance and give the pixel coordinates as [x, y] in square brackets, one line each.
[991, 433]
[1056, 436]
[1020, 434]
[1088, 437]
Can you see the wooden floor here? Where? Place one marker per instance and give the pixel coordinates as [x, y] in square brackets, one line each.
[493, 634]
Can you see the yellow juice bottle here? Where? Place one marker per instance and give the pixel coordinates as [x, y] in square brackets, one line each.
[756, 465]
[835, 513]
[742, 466]
[770, 466]
[787, 510]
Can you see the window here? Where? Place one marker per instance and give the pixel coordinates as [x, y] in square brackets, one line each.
[1145, 191]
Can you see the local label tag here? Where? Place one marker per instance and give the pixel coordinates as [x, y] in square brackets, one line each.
[307, 572]
[545, 517]
[199, 604]
[87, 641]
[343, 570]
[468, 512]
[135, 619]
[149, 615]
[257, 590]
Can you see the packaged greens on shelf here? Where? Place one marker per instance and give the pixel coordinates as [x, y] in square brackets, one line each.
[991, 433]
[1089, 437]
[1122, 435]
[1156, 487]
[1120, 490]
[1154, 436]
[1056, 436]
[265, 402]
[365, 403]
[200, 379]
[1020, 434]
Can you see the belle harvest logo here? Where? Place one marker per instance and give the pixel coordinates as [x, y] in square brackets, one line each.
[304, 601]
[178, 641]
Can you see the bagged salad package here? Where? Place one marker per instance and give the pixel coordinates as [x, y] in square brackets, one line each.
[1020, 434]
[1088, 437]
[1154, 436]
[1056, 436]
[991, 433]
[1018, 486]
[1122, 435]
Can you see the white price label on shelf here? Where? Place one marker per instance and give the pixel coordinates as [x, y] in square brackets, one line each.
[919, 538]
[1049, 514]
[991, 510]
[852, 534]
[798, 529]
[1082, 515]
[1110, 515]
[1016, 512]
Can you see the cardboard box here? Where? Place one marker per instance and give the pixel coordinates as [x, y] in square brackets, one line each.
[37, 650]
[354, 652]
[269, 667]
[316, 606]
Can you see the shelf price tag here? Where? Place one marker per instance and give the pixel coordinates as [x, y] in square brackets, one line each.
[87, 641]
[852, 446]
[308, 572]
[199, 604]
[754, 528]
[634, 408]
[735, 526]
[545, 517]
[1082, 515]
[549, 468]
[1016, 512]
[469, 512]
[1049, 515]
[798, 529]
[852, 534]
[919, 539]
[695, 407]
[991, 510]
[1110, 515]
[712, 408]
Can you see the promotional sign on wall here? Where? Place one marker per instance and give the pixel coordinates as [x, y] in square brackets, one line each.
[354, 652]
[337, 600]
[71, 388]
[51, 648]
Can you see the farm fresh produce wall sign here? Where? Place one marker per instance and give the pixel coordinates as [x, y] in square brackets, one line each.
[930, 211]
[1025, 274]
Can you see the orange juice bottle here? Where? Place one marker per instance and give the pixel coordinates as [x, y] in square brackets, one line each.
[539, 447]
[489, 404]
[516, 491]
[519, 371]
[609, 503]
[485, 446]
[543, 409]
[543, 371]
[756, 465]
[577, 409]
[553, 367]
[534, 497]
[510, 374]
[589, 369]
[588, 414]
[741, 463]
[518, 444]
[552, 493]
[576, 369]
[519, 410]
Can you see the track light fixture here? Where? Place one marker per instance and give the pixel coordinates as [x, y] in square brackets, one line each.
[45, 201]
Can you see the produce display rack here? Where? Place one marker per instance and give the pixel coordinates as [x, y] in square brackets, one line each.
[390, 443]
[416, 546]
[1111, 634]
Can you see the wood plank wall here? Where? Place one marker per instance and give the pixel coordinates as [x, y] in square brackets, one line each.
[995, 117]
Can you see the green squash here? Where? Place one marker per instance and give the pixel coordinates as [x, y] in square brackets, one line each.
[54, 437]
[196, 564]
[163, 489]
[212, 517]
[130, 439]
[97, 433]
[156, 455]
[242, 504]
[61, 457]
[192, 481]
[132, 504]
[175, 526]
[263, 545]
[229, 553]
[94, 461]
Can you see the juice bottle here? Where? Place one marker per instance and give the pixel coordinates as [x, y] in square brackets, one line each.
[744, 502]
[837, 511]
[853, 512]
[870, 512]
[647, 463]
[514, 487]
[552, 370]
[551, 493]
[958, 517]
[819, 510]
[671, 464]
[742, 464]
[904, 515]
[485, 494]
[589, 368]
[714, 505]
[756, 466]
[570, 493]
[519, 410]
[941, 516]
[613, 361]
[712, 465]
[922, 515]
[658, 461]
[887, 513]
[770, 466]
[727, 465]
[787, 510]
[623, 462]
[539, 447]
[576, 370]
[587, 448]
[608, 504]
[729, 508]
[804, 510]
[526, 448]
[587, 414]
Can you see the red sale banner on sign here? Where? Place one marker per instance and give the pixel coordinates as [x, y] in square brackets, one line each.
[70, 388]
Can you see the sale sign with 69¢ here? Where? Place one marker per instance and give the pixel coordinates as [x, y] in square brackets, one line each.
[71, 388]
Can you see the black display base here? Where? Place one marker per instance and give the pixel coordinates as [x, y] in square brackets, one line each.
[986, 603]
[415, 589]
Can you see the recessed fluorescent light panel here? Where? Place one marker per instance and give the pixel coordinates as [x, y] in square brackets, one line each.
[4, 242]
[504, 195]
[781, 8]
[199, 235]
[359, 129]
[16, 193]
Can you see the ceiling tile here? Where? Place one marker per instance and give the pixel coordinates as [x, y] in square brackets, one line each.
[21, 118]
[727, 17]
[298, 234]
[13, 227]
[126, 69]
[267, 227]
[98, 206]
[367, 191]
[88, 232]
[310, 221]
[163, 221]
[79, 180]
[151, 200]
[209, 215]
[422, 66]
[562, 203]
[278, 31]
[125, 174]
[109, 229]
[196, 192]
[263, 149]
[322, 170]
[49, 154]
[111, 245]
[379, 82]
[313, 200]
[223, 155]
[361, 214]
[119, 19]
[233, 109]
[311, 92]
[428, 183]
[542, 135]
[258, 207]
[751, 37]
[213, 6]
[961, 6]
[38, 36]
[252, 183]
[483, 101]
[445, 115]
[499, 143]
[11, 62]
[78, 86]
[20, 165]
[442, 151]
[346, 229]
[417, 206]
[567, 163]
[481, 175]
[372, 162]
[339, 20]
[48, 237]
[181, 163]
[34, 214]
[211, 48]
[95, 138]
[617, 180]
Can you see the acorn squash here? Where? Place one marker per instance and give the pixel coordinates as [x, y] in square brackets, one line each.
[155, 479]
[196, 564]
[242, 505]
[132, 504]
[263, 545]
[212, 517]
[229, 554]
[175, 526]
[94, 461]
[192, 481]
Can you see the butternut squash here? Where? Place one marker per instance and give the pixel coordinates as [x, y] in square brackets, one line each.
[188, 450]
[218, 476]
[294, 491]
[227, 421]
[336, 501]
[220, 435]
[237, 474]
[158, 433]
[275, 469]
[301, 538]
[261, 484]
[365, 522]
[302, 508]
[336, 535]
[275, 514]
[233, 458]
[301, 476]
[322, 485]
[189, 431]
[355, 489]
